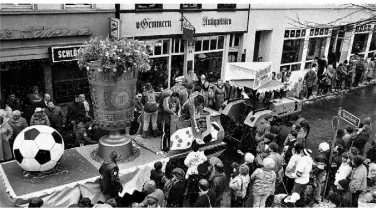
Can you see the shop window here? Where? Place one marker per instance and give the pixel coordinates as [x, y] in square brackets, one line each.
[292, 51]
[316, 48]
[69, 80]
[205, 43]
[178, 45]
[78, 6]
[191, 6]
[234, 41]
[176, 67]
[226, 6]
[157, 76]
[198, 44]
[295, 67]
[213, 43]
[17, 6]
[209, 64]
[148, 6]
[157, 47]
[359, 43]
[220, 43]
[372, 46]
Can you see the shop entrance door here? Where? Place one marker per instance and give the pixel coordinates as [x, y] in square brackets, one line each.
[262, 46]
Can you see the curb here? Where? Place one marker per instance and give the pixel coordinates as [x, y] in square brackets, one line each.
[337, 93]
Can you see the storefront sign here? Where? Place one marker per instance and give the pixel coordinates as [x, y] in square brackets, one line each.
[66, 53]
[147, 23]
[216, 21]
[347, 116]
[115, 28]
[30, 33]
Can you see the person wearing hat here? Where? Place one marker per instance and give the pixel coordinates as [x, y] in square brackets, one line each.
[263, 182]
[218, 183]
[320, 167]
[302, 172]
[358, 177]
[109, 181]
[39, 118]
[174, 189]
[238, 185]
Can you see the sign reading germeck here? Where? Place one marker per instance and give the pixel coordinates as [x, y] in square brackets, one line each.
[216, 21]
[66, 53]
[147, 23]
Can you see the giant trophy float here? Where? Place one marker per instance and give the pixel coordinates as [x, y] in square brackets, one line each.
[112, 67]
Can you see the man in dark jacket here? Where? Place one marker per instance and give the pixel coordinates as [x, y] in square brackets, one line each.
[55, 115]
[175, 188]
[310, 79]
[321, 163]
[45, 100]
[109, 182]
[157, 175]
[76, 112]
[218, 183]
[82, 132]
[207, 196]
[171, 107]
[14, 102]
[359, 71]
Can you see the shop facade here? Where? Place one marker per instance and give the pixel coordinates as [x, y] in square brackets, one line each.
[291, 36]
[219, 33]
[39, 44]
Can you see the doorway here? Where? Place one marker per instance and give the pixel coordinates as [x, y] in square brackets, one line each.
[262, 46]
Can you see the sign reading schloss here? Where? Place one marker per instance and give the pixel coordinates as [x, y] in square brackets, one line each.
[66, 53]
[347, 116]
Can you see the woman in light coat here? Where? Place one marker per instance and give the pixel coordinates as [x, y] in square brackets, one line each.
[6, 133]
[219, 94]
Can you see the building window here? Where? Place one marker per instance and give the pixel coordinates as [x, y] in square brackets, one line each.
[157, 47]
[292, 51]
[148, 6]
[226, 6]
[209, 43]
[209, 64]
[316, 48]
[191, 6]
[78, 6]
[234, 41]
[360, 43]
[319, 32]
[178, 46]
[17, 6]
[372, 46]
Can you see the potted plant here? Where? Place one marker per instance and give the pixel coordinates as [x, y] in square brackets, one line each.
[112, 67]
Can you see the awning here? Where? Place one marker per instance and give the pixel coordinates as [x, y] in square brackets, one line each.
[270, 86]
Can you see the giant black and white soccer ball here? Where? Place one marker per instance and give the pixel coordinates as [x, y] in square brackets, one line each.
[38, 148]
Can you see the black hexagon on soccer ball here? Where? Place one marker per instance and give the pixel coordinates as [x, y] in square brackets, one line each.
[43, 156]
[58, 139]
[18, 155]
[31, 134]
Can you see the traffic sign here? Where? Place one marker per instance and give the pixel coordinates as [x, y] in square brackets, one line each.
[347, 116]
[335, 123]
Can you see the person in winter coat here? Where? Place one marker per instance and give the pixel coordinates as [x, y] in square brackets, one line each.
[302, 172]
[347, 137]
[358, 182]
[360, 68]
[211, 168]
[371, 73]
[55, 115]
[328, 78]
[6, 133]
[278, 159]
[150, 110]
[171, 107]
[218, 183]
[207, 196]
[238, 185]
[190, 80]
[13, 102]
[219, 91]
[180, 89]
[310, 80]
[208, 94]
[174, 189]
[76, 112]
[345, 168]
[157, 175]
[194, 159]
[339, 138]
[109, 181]
[348, 76]
[341, 73]
[263, 182]
[18, 124]
[39, 118]
[81, 134]
[342, 197]
[152, 193]
[249, 160]
[291, 166]
[321, 165]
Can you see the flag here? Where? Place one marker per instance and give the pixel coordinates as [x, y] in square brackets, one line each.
[188, 34]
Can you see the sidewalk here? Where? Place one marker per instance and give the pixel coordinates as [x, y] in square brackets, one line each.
[315, 97]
